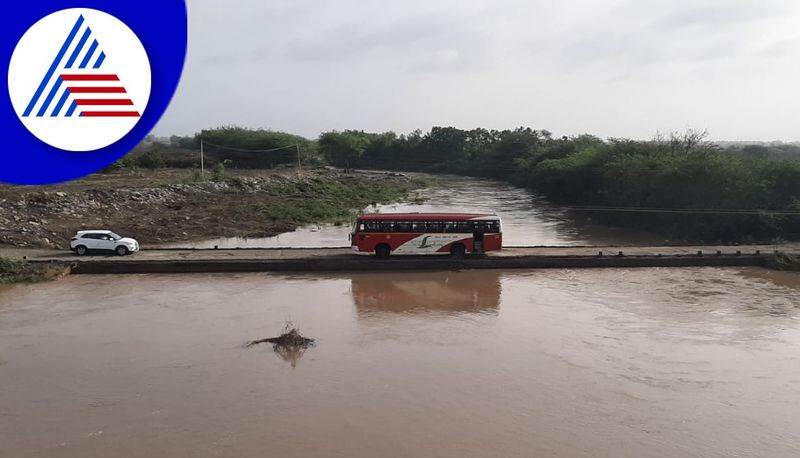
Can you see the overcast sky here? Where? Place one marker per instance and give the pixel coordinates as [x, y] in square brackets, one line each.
[613, 68]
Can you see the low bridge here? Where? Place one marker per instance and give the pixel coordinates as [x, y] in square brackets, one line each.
[343, 260]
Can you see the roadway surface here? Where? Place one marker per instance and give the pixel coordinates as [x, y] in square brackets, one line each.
[343, 259]
[306, 253]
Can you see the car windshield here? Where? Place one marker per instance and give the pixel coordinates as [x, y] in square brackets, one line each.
[114, 236]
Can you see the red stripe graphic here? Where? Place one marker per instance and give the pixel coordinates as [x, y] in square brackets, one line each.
[97, 90]
[111, 114]
[90, 77]
[104, 101]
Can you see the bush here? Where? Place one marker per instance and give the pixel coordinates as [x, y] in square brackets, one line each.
[218, 172]
[149, 160]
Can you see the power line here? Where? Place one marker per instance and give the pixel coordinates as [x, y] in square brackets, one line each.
[242, 150]
[295, 146]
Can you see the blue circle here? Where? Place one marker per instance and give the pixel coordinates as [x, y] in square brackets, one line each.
[161, 26]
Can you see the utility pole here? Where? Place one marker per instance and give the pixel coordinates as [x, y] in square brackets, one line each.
[299, 164]
[202, 165]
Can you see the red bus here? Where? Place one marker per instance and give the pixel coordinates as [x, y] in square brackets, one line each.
[426, 233]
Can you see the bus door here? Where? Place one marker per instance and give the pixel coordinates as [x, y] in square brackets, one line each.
[477, 240]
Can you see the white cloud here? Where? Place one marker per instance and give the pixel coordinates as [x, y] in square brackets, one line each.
[608, 67]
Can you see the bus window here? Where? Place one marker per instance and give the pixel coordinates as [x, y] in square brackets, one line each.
[434, 226]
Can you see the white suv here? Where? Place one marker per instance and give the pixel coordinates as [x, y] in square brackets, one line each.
[87, 241]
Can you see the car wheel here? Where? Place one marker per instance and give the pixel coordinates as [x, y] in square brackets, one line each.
[80, 250]
[383, 251]
[458, 250]
[122, 250]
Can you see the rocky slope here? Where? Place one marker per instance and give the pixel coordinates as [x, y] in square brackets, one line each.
[160, 208]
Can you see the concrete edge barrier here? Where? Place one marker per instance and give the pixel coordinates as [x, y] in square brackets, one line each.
[359, 264]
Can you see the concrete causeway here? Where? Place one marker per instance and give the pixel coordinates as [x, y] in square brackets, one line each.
[343, 259]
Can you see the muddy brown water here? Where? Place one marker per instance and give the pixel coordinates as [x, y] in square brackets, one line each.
[647, 362]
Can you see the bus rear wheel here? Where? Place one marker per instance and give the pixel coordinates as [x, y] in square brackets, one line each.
[383, 251]
[458, 250]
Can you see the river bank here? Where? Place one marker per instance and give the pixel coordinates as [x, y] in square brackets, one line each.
[680, 186]
[176, 205]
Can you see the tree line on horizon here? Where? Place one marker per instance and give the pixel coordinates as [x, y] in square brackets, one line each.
[680, 185]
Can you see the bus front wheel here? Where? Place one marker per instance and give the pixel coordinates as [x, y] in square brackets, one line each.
[383, 251]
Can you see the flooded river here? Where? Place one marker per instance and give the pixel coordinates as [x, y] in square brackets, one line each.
[528, 219]
[616, 362]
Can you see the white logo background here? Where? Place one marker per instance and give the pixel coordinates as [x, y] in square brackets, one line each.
[33, 56]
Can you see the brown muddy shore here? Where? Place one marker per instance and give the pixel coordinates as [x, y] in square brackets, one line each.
[173, 205]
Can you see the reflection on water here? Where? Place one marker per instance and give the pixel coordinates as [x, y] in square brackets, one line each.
[290, 355]
[422, 292]
[607, 362]
[528, 219]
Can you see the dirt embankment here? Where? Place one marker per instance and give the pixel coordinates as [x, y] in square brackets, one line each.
[172, 205]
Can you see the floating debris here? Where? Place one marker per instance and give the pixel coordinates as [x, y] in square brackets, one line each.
[290, 338]
[290, 345]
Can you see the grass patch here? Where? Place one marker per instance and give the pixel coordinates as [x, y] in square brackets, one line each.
[20, 271]
[329, 201]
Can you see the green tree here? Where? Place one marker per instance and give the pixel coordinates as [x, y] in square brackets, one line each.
[343, 148]
[253, 148]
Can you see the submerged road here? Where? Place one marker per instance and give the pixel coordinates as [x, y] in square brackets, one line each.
[343, 259]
